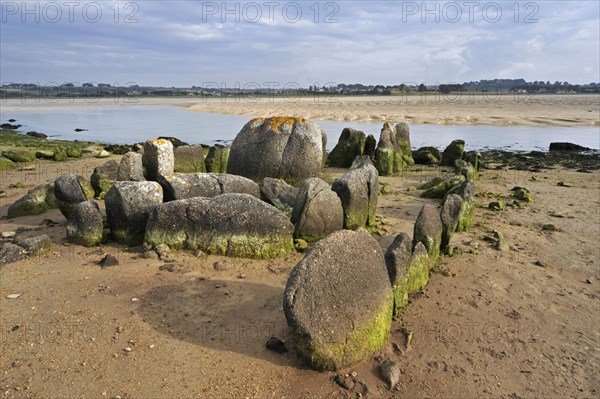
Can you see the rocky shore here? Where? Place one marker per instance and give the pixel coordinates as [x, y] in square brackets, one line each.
[519, 222]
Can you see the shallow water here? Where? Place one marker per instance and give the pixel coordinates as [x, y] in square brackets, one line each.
[134, 124]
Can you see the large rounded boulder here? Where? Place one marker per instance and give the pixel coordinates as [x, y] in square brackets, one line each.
[70, 190]
[85, 225]
[280, 147]
[317, 211]
[338, 301]
[238, 225]
[128, 204]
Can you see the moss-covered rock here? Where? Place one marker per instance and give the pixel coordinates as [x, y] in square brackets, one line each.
[338, 301]
[522, 194]
[408, 270]
[427, 156]
[350, 145]
[128, 205]
[428, 231]
[19, 155]
[393, 152]
[44, 154]
[450, 216]
[497, 205]
[70, 190]
[73, 152]
[217, 159]
[104, 178]
[454, 151]
[6, 164]
[85, 225]
[465, 169]
[37, 201]
[442, 189]
[60, 155]
[358, 189]
[189, 159]
[214, 226]
[432, 183]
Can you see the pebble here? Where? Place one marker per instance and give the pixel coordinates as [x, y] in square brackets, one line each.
[107, 261]
[222, 266]
[588, 280]
[168, 267]
[13, 296]
[149, 255]
[8, 234]
[390, 372]
[242, 276]
[276, 345]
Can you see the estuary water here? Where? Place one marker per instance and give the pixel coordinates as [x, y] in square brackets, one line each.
[127, 125]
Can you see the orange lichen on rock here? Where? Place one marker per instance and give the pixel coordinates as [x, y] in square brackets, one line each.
[275, 122]
[159, 141]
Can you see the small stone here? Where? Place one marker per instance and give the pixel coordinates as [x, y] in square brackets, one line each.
[103, 154]
[390, 372]
[149, 255]
[541, 263]
[8, 234]
[168, 267]
[134, 299]
[276, 345]
[128, 349]
[119, 329]
[168, 260]
[107, 261]
[345, 382]
[200, 254]
[497, 205]
[222, 266]
[151, 346]
[242, 276]
[162, 250]
[13, 296]
[549, 227]
[588, 280]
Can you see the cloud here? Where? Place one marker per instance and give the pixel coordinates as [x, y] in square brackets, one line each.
[185, 43]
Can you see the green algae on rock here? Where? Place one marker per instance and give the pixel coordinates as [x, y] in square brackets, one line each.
[237, 225]
[338, 301]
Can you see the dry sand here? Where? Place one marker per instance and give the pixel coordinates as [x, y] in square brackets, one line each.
[500, 110]
[491, 324]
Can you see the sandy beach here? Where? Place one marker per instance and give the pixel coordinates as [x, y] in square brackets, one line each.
[495, 110]
[489, 324]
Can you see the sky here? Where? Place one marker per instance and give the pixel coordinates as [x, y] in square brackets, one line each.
[286, 43]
